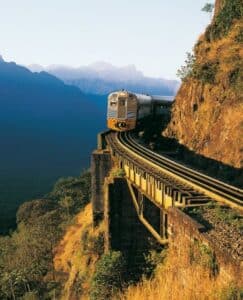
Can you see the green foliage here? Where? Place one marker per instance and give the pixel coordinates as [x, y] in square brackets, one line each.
[232, 292]
[152, 260]
[228, 216]
[232, 9]
[92, 244]
[118, 173]
[26, 257]
[239, 36]
[208, 259]
[67, 202]
[78, 188]
[13, 284]
[109, 276]
[31, 296]
[29, 211]
[187, 70]
[208, 7]
[203, 255]
[77, 286]
[204, 72]
[236, 78]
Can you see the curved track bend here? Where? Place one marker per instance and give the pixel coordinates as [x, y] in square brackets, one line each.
[211, 187]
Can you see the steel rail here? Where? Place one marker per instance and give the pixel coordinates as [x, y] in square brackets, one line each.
[230, 194]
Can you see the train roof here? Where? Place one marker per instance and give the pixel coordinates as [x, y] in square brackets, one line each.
[163, 98]
[155, 98]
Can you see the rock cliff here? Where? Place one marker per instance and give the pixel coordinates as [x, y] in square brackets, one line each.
[207, 116]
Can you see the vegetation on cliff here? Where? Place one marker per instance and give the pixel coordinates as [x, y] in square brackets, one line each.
[26, 255]
[207, 114]
[188, 272]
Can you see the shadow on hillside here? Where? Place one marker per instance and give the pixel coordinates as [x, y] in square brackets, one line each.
[152, 129]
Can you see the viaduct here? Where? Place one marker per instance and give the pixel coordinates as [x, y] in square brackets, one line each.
[140, 195]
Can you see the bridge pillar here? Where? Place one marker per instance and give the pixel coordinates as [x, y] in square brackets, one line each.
[124, 231]
[101, 164]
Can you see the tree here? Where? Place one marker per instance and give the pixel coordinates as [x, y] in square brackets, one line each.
[187, 71]
[109, 276]
[67, 202]
[208, 8]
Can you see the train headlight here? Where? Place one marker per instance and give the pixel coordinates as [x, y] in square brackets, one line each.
[121, 125]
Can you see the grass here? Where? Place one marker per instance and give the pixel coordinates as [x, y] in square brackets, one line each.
[178, 278]
[77, 254]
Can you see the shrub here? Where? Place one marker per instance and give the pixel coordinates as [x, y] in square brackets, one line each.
[234, 75]
[203, 255]
[206, 72]
[31, 296]
[152, 260]
[231, 292]
[239, 37]
[187, 71]
[29, 211]
[118, 173]
[232, 9]
[92, 244]
[235, 79]
[108, 277]
[228, 216]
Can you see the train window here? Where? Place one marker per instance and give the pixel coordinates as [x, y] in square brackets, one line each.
[122, 102]
[113, 103]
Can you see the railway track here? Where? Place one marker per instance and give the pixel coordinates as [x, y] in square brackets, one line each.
[209, 186]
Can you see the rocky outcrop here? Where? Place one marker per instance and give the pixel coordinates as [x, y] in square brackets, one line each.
[207, 116]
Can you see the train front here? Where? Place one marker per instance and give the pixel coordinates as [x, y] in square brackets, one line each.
[121, 111]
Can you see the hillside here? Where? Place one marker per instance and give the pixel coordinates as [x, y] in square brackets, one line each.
[45, 133]
[207, 114]
[182, 277]
[101, 78]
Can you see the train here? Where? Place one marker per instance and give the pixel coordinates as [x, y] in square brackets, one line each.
[125, 109]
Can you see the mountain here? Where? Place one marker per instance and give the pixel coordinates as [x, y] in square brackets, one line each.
[207, 115]
[47, 129]
[101, 78]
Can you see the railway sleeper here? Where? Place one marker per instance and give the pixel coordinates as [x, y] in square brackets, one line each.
[186, 199]
[198, 201]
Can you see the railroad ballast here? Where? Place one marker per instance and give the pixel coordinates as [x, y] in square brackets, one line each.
[126, 108]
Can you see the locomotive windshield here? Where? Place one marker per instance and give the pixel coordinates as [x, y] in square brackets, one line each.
[113, 101]
[122, 101]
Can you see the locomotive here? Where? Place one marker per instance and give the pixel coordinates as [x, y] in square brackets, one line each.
[126, 108]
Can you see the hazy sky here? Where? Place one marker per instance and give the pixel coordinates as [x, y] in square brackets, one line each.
[153, 35]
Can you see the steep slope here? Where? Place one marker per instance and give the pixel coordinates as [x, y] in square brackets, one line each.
[46, 132]
[76, 256]
[207, 116]
[182, 277]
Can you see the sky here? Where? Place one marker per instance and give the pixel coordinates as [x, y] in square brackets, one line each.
[152, 35]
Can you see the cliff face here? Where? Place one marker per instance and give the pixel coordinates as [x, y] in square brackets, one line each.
[207, 116]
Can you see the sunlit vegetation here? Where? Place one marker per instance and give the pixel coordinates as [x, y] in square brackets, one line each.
[220, 213]
[205, 72]
[187, 70]
[26, 255]
[189, 271]
[76, 255]
[109, 276]
[118, 173]
[231, 10]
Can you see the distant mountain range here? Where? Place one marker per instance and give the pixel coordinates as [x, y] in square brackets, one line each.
[101, 78]
[47, 130]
